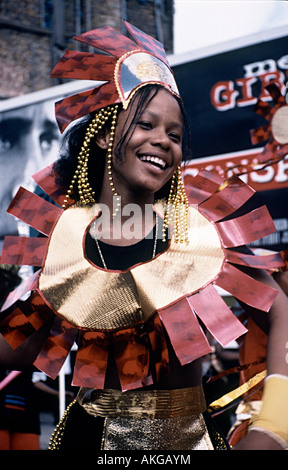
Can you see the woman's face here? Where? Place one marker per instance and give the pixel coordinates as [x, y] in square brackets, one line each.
[153, 150]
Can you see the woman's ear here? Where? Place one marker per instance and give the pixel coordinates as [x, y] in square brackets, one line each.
[103, 140]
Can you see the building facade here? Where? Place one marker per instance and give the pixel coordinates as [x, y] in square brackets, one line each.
[35, 33]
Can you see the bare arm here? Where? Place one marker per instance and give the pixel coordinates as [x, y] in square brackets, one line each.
[276, 323]
[278, 336]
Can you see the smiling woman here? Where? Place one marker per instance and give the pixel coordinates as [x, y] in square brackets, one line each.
[143, 154]
[152, 153]
[138, 306]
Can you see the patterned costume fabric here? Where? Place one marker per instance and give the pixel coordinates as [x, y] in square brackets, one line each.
[274, 132]
[179, 316]
[129, 65]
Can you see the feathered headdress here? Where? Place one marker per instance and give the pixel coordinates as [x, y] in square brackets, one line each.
[126, 66]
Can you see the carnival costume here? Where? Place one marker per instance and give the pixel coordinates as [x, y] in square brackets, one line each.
[174, 293]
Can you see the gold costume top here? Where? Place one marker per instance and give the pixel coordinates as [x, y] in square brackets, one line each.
[133, 309]
[93, 298]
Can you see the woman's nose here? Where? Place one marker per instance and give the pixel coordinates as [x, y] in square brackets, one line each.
[161, 138]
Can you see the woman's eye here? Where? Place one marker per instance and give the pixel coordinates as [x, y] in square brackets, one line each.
[5, 144]
[175, 137]
[145, 124]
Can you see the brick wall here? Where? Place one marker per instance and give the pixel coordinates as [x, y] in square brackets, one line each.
[35, 33]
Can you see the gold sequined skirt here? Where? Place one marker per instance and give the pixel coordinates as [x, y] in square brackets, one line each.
[150, 419]
[139, 420]
[187, 433]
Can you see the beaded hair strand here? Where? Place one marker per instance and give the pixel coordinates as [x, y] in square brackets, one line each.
[80, 177]
[177, 210]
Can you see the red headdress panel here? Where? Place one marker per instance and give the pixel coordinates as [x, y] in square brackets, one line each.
[128, 66]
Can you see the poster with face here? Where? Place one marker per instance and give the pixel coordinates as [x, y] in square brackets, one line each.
[29, 141]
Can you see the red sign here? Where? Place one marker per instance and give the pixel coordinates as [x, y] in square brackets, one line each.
[240, 163]
[228, 94]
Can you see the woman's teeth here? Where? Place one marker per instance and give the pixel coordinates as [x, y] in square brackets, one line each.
[154, 160]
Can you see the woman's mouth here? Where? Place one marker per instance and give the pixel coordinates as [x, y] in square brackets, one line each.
[155, 161]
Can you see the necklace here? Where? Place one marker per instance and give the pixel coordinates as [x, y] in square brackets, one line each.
[100, 251]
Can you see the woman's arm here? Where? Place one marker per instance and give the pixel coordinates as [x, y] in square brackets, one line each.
[277, 322]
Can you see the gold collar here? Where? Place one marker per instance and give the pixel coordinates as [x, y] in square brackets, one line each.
[97, 299]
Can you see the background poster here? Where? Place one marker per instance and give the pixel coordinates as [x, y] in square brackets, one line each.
[29, 141]
[220, 92]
